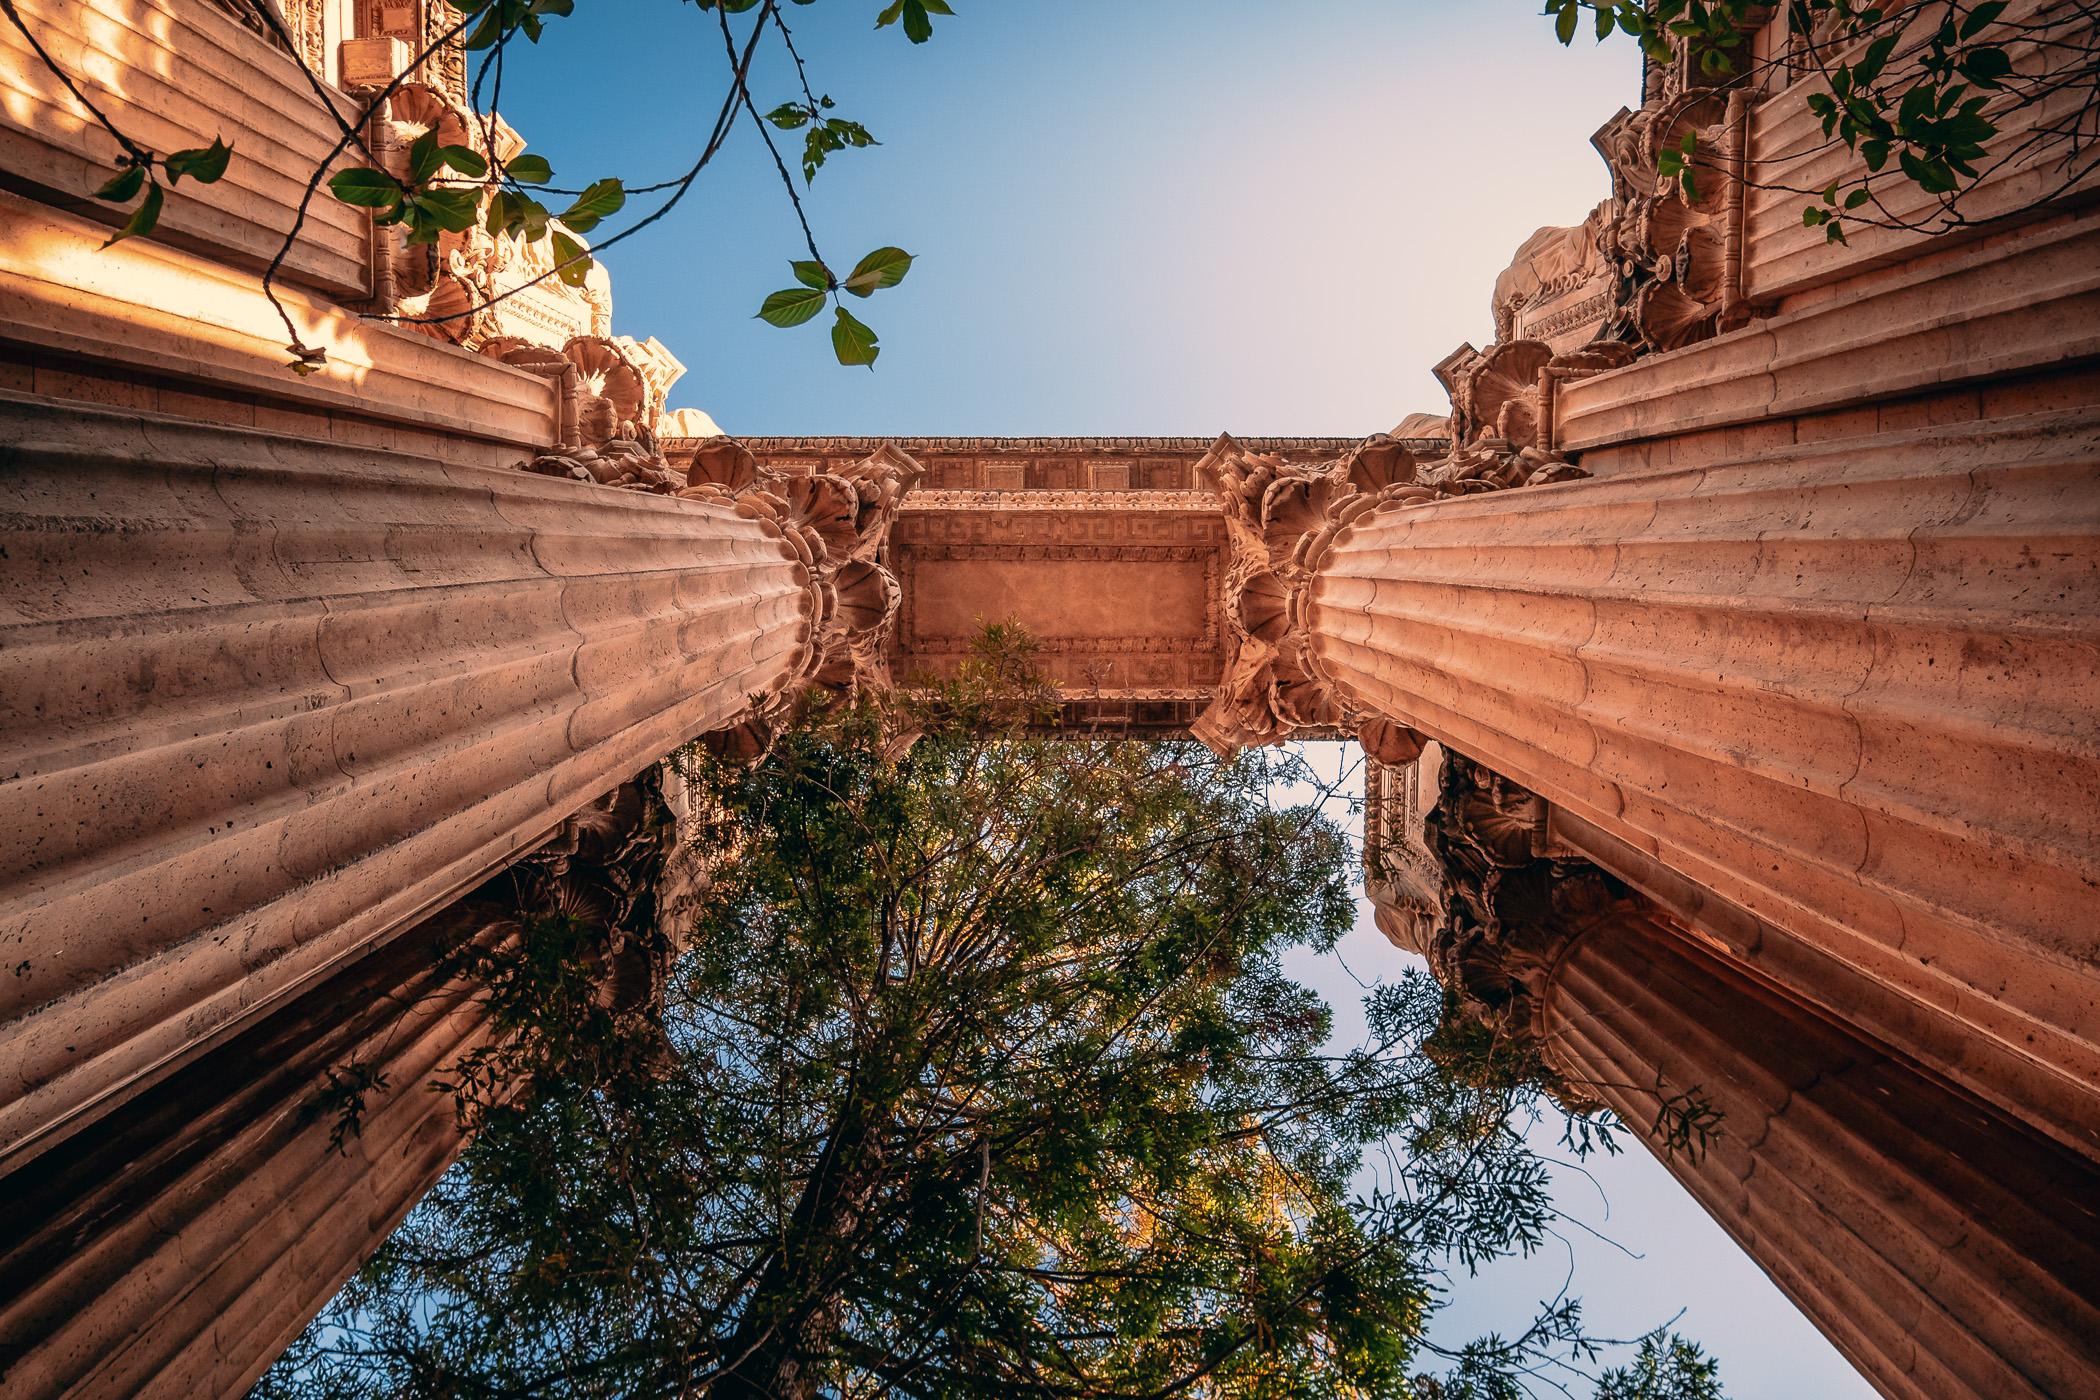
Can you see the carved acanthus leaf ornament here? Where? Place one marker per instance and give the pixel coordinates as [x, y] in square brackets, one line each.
[1510, 908]
[838, 524]
[1282, 519]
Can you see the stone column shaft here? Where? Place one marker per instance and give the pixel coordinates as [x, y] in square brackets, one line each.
[1849, 688]
[1945, 1249]
[177, 1247]
[268, 701]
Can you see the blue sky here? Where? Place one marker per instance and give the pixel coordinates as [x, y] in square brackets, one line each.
[1154, 217]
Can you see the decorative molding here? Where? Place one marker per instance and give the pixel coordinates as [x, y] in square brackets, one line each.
[1032, 446]
[1119, 501]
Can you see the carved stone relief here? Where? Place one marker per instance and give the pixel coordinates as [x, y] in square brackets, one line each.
[1281, 518]
[1501, 904]
[838, 523]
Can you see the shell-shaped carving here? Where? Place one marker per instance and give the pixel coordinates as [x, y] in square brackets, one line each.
[868, 596]
[1301, 698]
[723, 462]
[1378, 462]
[1265, 608]
[1701, 264]
[1505, 372]
[1504, 831]
[610, 375]
[450, 311]
[1661, 224]
[829, 506]
[1295, 506]
[418, 107]
[1667, 318]
[1688, 113]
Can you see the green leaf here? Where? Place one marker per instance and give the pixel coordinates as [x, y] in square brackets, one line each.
[571, 264]
[792, 307]
[885, 267]
[530, 170]
[488, 31]
[123, 187]
[812, 274]
[1857, 198]
[600, 200]
[143, 219]
[917, 28]
[502, 212]
[1984, 67]
[423, 158]
[203, 165]
[368, 189]
[788, 116]
[1874, 153]
[1605, 23]
[1811, 216]
[1981, 16]
[853, 342]
[465, 160]
[1877, 56]
[454, 211]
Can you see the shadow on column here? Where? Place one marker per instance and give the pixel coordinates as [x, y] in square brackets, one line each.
[1944, 1248]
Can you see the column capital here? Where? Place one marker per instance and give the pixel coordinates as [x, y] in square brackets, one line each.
[838, 524]
[1283, 519]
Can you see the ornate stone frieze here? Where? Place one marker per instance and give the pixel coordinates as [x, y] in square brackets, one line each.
[1121, 501]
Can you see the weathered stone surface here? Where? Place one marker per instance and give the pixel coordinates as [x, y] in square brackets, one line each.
[1944, 1249]
[1846, 688]
[149, 307]
[269, 702]
[175, 74]
[180, 1244]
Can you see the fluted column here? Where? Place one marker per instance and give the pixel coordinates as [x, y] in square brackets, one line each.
[176, 1247]
[1945, 1249]
[1847, 688]
[173, 1248]
[269, 701]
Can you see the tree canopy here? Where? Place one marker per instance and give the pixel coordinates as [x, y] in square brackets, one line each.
[984, 1079]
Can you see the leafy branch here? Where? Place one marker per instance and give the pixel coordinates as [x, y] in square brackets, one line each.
[853, 342]
[1926, 106]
